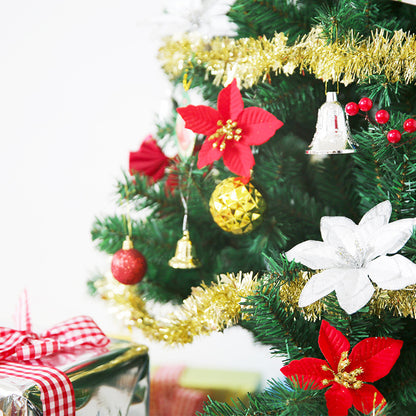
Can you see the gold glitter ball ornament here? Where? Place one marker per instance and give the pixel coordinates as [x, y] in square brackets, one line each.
[237, 207]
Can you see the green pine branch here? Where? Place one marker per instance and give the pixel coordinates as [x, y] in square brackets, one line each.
[265, 17]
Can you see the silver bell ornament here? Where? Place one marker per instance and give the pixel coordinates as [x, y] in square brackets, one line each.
[332, 135]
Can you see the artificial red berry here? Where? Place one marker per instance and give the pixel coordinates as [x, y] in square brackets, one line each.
[394, 136]
[352, 109]
[365, 104]
[382, 116]
[410, 125]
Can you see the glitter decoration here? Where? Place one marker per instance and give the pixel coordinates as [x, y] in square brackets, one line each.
[208, 309]
[253, 60]
[237, 207]
[128, 265]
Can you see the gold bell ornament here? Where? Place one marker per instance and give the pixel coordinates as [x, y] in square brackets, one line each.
[332, 135]
[184, 257]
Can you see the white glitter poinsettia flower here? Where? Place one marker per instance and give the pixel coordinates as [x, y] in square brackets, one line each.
[350, 255]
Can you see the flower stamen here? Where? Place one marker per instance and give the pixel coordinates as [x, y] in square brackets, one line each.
[346, 379]
[229, 131]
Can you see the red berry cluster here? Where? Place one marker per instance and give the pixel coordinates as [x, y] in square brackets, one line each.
[409, 126]
[382, 117]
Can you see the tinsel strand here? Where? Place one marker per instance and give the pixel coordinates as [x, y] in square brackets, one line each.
[253, 60]
[207, 309]
[399, 302]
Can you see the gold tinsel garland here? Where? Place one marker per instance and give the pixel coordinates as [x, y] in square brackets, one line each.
[399, 302]
[207, 309]
[218, 306]
[252, 60]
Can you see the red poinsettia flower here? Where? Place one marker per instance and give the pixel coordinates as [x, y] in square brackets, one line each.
[149, 160]
[230, 130]
[346, 375]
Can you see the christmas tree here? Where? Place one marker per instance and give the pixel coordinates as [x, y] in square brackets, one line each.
[291, 185]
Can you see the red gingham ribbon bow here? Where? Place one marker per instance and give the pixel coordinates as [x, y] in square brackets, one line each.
[57, 393]
[24, 345]
[27, 345]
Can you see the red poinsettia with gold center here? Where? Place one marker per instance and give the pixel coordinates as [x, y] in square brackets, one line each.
[230, 130]
[346, 375]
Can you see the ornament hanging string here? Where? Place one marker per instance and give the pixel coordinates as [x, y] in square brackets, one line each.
[185, 197]
[326, 87]
[127, 217]
[128, 265]
[336, 42]
[184, 257]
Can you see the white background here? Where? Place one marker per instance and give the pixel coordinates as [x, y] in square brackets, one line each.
[80, 87]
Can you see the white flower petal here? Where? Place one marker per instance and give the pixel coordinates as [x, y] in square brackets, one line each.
[333, 229]
[378, 215]
[355, 290]
[328, 224]
[392, 272]
[318, 286]
[315, 255]
[351, 254]
[372, 222]
[341, 233]
[368, 230]
[391, 238]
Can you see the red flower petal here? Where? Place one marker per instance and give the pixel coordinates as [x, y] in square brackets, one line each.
[258, 125]
[367, 398]
[338, 400]
[200, 119]
[208, 154]
[238, 158]
[307, 372]
[230, 103]
[376, 356]
[148, 160]
[332, 343]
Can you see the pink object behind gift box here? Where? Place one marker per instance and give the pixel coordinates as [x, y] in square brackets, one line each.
[168, 398]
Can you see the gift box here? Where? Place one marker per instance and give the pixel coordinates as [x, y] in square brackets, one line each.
[71, 369]
[110, 381]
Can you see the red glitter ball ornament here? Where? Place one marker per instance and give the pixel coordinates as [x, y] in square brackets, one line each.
[128, 265]
[410, 125]
[365, 104]
[382, 116]
[394, 136]
[352, 109]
